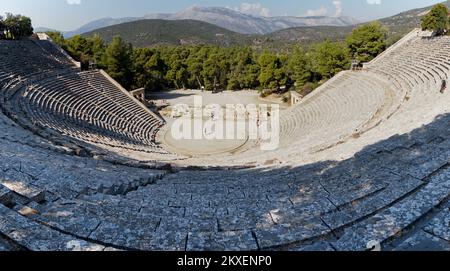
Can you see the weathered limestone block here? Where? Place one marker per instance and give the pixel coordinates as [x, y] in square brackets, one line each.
[5, 195]
[37, 237]
[26, 190]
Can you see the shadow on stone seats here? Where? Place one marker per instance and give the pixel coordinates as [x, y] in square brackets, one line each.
[291, 206]
[284, 208]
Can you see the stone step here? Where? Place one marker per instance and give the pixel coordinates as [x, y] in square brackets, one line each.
[355, 210]
[37, 237]
[221, 241]
[6, 196]
[393, 221]
[423, 241]
[27, 190]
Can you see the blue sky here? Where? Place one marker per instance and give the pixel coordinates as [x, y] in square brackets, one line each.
[71, 14]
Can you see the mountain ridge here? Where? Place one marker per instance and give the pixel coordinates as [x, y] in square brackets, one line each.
[226, 18]
[398, 25]
[153, 32]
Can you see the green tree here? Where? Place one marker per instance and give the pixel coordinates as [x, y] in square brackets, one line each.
[17, 26]
[177, 70]
[197, 57]
[214, 71]
[25, 26]
[299, 68]
[148, 69]
[80, 48]
[117, 61]
[244, 71]
[329, 58]
[436, 19]
[157, 69]
[97, 49]
[2, 28]
[58, 38]
[367, 41]
[141, 76]
[272, 74]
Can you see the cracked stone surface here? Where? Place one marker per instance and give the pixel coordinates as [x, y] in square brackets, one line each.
[224, 210]
[440, 225]
[422, 241]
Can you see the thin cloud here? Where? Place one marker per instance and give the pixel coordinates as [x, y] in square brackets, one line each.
[338, 5]
[374, 2]
[73, 2]
[322, 11]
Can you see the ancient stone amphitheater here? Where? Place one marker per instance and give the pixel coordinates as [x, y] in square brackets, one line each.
[362, 160]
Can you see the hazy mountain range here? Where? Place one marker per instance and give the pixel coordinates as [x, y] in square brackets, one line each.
[152, 32]
[398, 25]
[162, 29]
[226, 18]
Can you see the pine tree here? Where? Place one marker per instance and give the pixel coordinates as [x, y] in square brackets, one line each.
[2, 28]
[367, 41]
[272, 74]
[17, 26]
[97, 48]
[117, 60]
[329, 58]
[437, 19]
[299, 68]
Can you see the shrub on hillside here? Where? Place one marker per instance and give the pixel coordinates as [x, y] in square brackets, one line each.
[437, 19]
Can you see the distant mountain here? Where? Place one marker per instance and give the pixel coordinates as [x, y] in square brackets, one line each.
[152, 32]
[307, 35]
[248, 24]
[398, 25]
[147, 33]
[404, 22]
[99, 24]
[225, 18]
[43, 29]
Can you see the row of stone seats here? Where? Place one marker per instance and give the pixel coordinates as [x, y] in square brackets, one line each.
[110, 92]
[415, 55]
[230, 210]
[25, 58]
[72, 99]
[349, 104]
[274, 208]
[55, 51]
[87, 106]
[48, 103]
[31, 176]
[81, 130]
[66, 176]
[354, 93]
[20, 110]
[419, 67]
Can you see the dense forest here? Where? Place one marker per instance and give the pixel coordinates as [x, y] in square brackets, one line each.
[225, 68]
